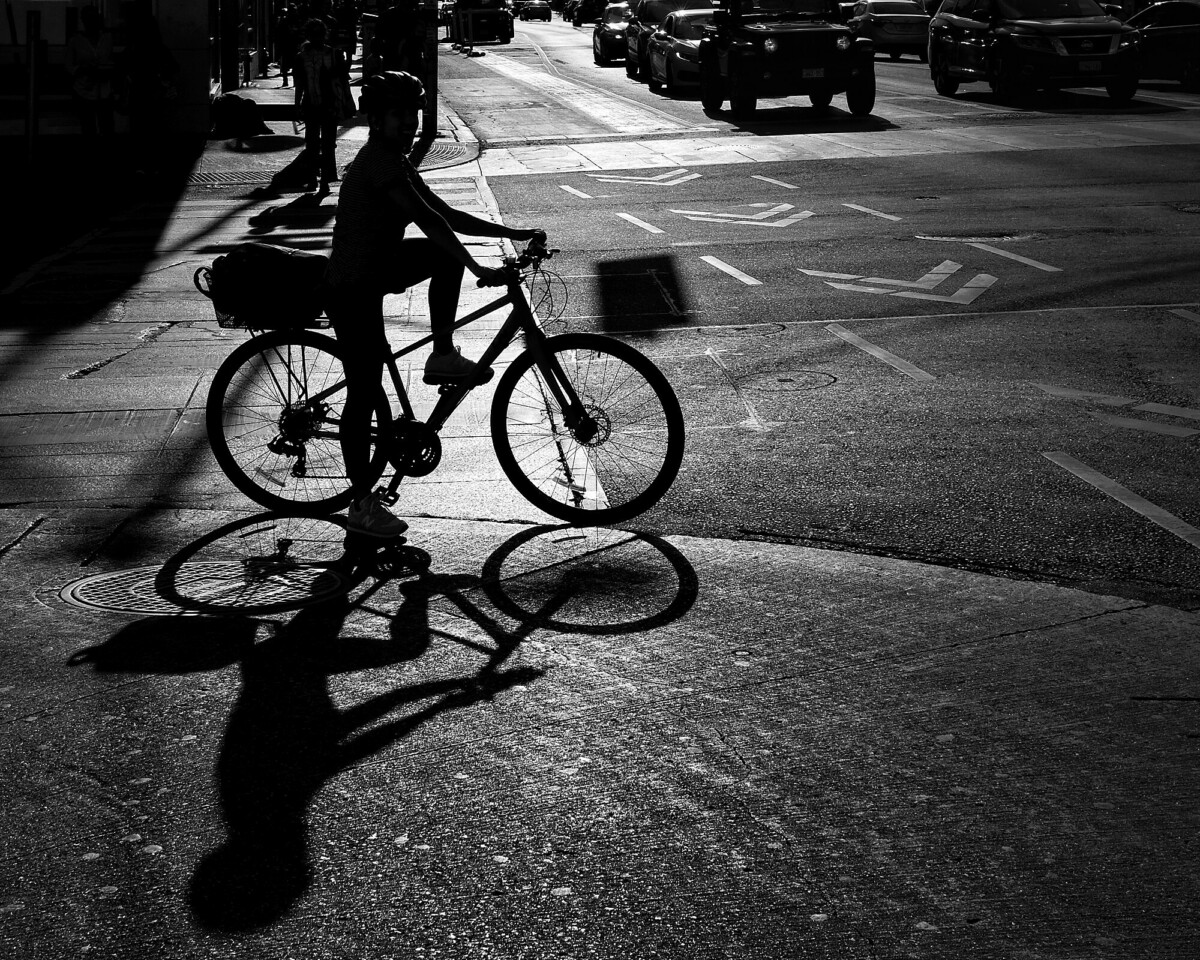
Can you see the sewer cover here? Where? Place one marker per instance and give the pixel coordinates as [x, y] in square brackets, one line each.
[228, 585]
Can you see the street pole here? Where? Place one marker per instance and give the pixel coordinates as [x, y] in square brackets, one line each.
[429, 115]
[33, 50]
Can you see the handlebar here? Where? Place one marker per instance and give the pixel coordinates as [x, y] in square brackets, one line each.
[531, 256]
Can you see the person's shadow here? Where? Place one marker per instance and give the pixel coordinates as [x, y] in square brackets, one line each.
[285, 736]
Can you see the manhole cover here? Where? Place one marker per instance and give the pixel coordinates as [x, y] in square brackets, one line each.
[787, 381]
[205, 586]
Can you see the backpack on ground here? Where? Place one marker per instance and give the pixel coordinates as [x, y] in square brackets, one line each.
[264, 286]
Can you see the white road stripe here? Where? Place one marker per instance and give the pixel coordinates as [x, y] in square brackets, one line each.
[778, 183]
[1187, 315]
[889, 358]
[574, 192]
[1167, 410]
[1146, 426]
[874, 213]
[1155, 514]
[1107, 399]
[1017, 257]
[733, 271]
[639, 223]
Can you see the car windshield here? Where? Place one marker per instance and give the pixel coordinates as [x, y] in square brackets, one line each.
[616, 15]
[655, 11]
[691, 28]
[1048, 9]
[802, 7]
[895, 6]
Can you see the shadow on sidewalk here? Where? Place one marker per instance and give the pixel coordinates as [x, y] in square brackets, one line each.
[286, 738]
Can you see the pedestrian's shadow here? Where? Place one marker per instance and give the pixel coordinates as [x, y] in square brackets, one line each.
[286, 738]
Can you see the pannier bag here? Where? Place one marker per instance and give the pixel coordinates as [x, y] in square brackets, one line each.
[264, 286]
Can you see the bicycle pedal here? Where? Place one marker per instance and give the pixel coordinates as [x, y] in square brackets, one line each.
[388, 498]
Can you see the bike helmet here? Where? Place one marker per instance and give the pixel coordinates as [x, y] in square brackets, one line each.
[394, 88]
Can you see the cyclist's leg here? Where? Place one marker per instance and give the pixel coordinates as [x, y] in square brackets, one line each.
[421, 259]
[358, 322]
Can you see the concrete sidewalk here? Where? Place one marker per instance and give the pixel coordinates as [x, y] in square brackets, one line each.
[553, 743]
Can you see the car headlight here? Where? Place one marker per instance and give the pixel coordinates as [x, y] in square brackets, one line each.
[1031, 42]
[1129, 39]
[844, 43]
[770, 45]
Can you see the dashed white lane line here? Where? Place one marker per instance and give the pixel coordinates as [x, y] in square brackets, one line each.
[889, 358]
[778, 183]
[732, 271]
[1155, 514]
[874, 213]
[651, 228]
[1017, 257]
[1187, 315]
[1146, 426]
[575, 193]
[1107, 399]
[1167, 410]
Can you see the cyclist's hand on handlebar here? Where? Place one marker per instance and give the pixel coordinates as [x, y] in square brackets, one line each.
[491, 277]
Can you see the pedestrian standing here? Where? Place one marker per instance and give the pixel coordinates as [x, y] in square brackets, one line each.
[287, 38]
[89, 62]
[319, 68]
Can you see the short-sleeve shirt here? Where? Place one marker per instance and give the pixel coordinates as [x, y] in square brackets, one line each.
[368, 227]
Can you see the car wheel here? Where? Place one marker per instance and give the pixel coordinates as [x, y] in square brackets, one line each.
[597, 53]
[923, 56]
[670, 77]
[894, 55]
[651, 80]
[943, 83]
[643, 65]
[631, 66]
[1122, 91]
[860, 95]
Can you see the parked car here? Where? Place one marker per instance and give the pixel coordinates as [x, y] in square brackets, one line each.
[588, 11]
[645, 17]
[608, 37]
[894, 26]
[535, 10]
[674, 49]
[1018, 46]
[778, 48]
[1169, 41]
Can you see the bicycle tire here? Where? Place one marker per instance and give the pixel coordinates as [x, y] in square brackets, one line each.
[253, 392]
[621, 471]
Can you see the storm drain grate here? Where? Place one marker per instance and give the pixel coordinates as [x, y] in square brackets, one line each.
[438, 155]
[238, 176]
[206, 586]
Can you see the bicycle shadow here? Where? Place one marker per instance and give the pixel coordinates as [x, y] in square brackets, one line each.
[286, 738]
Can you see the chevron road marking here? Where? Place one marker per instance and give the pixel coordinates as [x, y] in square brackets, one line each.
[1146, 426]
[966, 293]
[668, 179]
[889, 358]
[1155, 514]
[759, 219]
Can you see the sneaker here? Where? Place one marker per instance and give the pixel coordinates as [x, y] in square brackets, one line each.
[453, 367]
[371, 518]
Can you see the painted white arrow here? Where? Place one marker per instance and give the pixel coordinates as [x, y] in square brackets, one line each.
[751, 219]
[935, 276]
[966, 293]
[668, 179]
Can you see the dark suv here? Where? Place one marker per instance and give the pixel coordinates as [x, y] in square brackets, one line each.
[778, 48]
[1018, 46]
[646, 15]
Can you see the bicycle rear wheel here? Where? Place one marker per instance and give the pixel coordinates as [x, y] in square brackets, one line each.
[613, 464]
[273, 422]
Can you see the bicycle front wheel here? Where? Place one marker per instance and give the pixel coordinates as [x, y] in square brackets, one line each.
[273, 415]
[611, 463]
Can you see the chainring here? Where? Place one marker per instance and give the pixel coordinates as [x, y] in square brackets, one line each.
[416, 449]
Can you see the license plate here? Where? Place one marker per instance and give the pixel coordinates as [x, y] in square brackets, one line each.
[812, 72]
[1089, 66]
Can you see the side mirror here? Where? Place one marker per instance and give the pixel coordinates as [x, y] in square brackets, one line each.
[1115, 10]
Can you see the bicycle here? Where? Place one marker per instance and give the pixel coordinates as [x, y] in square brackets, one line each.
[585, 427]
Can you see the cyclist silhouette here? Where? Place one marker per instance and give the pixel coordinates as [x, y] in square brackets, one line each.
[381, 194]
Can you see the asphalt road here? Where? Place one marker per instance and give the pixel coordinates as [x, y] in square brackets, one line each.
[1039, 306]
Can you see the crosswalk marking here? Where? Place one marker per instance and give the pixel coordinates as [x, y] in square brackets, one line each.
[649, 227]
[732, 271]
